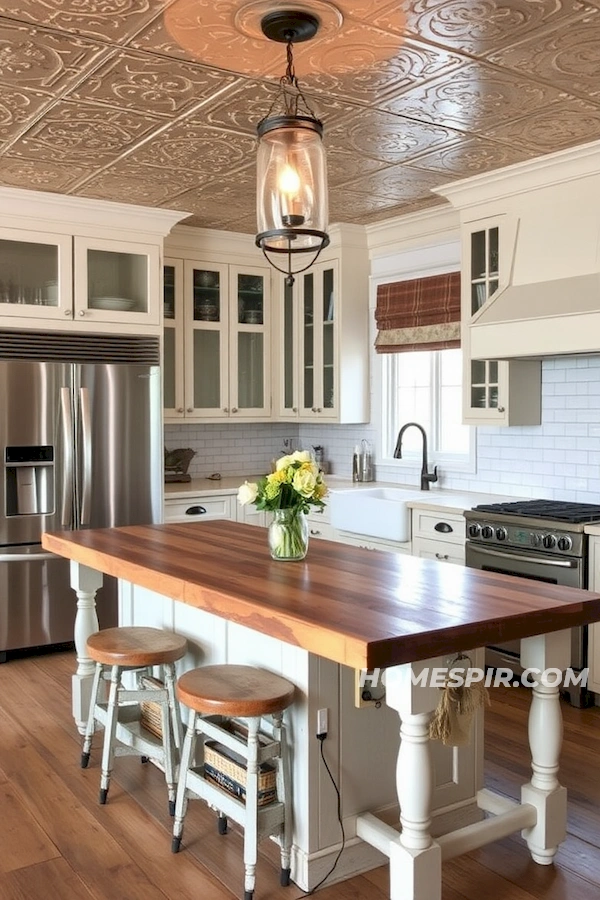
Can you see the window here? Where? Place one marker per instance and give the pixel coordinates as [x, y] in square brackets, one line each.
[425, 387]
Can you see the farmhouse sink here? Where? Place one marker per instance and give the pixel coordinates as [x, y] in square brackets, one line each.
[377, 512]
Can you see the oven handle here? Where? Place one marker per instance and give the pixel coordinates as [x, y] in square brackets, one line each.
[538, 561]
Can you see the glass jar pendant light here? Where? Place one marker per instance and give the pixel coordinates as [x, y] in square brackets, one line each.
[291, 190]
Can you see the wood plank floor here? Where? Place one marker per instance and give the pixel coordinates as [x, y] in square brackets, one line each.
[56, 842]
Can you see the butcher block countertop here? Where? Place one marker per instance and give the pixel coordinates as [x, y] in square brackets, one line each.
[361, 608]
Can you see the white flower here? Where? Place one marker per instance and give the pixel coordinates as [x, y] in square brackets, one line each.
[300, 456]
[247, 492]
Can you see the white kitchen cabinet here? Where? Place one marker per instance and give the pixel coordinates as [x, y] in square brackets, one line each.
[594, 630]
[200, 508]
[321, 337]
[495, 392]
[437, 534]
[369, 543]
[216, 341]
[95, 266]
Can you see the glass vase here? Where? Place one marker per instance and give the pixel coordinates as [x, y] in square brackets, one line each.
[288, 534]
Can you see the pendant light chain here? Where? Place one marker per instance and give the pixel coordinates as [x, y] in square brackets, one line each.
[290, 99]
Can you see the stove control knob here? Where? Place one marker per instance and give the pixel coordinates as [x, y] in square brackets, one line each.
[549, 541]
[474, 530]
[536, 539]
[564, 542]
[487, 532]
[501, 534]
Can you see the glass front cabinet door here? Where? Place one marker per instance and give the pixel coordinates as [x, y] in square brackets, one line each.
[249, 330]
[495, 392]
[35, 274]
[173, 387]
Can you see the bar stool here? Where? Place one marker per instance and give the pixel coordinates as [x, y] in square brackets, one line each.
[227, 704]
[129, 729]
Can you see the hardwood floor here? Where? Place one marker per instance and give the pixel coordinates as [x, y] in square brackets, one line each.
[56, 842]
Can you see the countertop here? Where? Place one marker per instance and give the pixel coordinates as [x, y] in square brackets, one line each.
[453, 501]
[360, 608]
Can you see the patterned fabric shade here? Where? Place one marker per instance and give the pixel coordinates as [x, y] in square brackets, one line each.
[422, 314]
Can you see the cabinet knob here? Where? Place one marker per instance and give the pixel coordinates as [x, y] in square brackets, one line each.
[234, 410]
[68, 312]
[180, 409]
[82, 312]
[190, 409]
[225, 409]
[294, 409]
[501, 409]
[441, 556]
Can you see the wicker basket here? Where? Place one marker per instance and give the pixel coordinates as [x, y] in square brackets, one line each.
[227, 769]
[151, 712]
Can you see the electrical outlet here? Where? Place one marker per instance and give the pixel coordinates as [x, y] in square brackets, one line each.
[369, 689]
[322, 721]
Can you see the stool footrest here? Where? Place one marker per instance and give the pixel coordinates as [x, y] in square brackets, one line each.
[130, 731]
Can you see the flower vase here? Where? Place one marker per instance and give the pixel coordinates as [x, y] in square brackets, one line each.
[288, 534]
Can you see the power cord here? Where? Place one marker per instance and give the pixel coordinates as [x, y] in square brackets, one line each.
[321, 738]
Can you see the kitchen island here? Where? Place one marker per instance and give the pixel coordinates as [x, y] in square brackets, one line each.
[348, 608]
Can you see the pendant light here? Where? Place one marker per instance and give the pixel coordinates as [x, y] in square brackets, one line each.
[291, 189]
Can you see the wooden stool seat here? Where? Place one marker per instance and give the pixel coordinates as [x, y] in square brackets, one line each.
[233, 691]
[230, 761]
[135, 646]
[143, 718]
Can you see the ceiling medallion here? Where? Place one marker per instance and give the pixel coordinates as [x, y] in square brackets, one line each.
[291, 174]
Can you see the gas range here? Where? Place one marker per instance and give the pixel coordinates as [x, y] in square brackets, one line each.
[554, 526]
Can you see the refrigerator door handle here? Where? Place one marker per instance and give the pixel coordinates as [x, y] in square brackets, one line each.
[86, 436]
[67, 480]
[27, 557]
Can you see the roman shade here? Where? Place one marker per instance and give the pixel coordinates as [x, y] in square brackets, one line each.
[421, 314]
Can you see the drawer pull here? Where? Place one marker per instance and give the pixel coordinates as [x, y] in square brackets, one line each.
[443, 527]
[195, 511]
[315, 531]
[441, 556]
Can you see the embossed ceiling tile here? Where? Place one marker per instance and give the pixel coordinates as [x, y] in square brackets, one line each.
[408, 65]
[480, 26]
[36, 58]
[80, 133]
[563, 125]
[470, 157]
[242, 107]
[186, 145]
[388, 138]
[114, 20]
[403, 210]
[17, 107]
[131, 183]
[144, 82]
[474, 98]
[343, 165]
[352, 206]
[395, 183]
[568, 58]
[205, 31]
[39, 176]
[208, 212]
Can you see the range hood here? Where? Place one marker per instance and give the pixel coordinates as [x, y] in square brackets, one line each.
[542, 318]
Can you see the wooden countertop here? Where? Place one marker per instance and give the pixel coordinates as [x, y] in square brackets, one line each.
[360, 608]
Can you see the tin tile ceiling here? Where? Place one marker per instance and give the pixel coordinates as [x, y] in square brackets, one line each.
[156, 103]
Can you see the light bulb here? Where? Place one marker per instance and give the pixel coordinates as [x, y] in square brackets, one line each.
[289, 180]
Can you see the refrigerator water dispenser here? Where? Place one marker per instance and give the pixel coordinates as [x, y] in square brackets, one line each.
[29, 480]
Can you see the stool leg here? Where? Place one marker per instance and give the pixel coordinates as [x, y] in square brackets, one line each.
[168, 740]
[251, 823]
[91, 722]
[283, 795]
[181, 801]
[176, 729]
[109, 732]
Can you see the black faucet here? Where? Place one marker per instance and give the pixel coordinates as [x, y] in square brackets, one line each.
[426, 477]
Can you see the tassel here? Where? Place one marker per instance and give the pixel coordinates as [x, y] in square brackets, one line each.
[451, 722]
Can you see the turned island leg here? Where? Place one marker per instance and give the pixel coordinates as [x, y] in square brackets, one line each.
[415, 859]
[545, 657]
[85, 582]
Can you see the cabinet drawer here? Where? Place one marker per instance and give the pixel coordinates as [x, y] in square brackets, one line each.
[448, 527]
[443, 551]
[369, 543]
[200, 509]
[319, 530]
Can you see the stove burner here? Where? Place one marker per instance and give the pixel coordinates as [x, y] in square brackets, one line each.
[559, 510]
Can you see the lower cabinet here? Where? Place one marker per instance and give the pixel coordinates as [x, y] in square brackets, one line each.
[200, 508]
[594, 630]
[439, 535]
[369, 543]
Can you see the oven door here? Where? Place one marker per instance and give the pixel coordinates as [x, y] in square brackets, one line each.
[539, 567]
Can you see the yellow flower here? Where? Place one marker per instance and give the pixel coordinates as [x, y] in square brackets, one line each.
[304, 481]
[272, 489]
[297, 456]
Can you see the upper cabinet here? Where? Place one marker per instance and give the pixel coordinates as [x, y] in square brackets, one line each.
[495, 392]
[70, 274]
[216, 341]
[321, 337]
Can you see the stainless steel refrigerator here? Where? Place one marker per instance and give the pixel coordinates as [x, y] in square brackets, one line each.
[81, 440]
